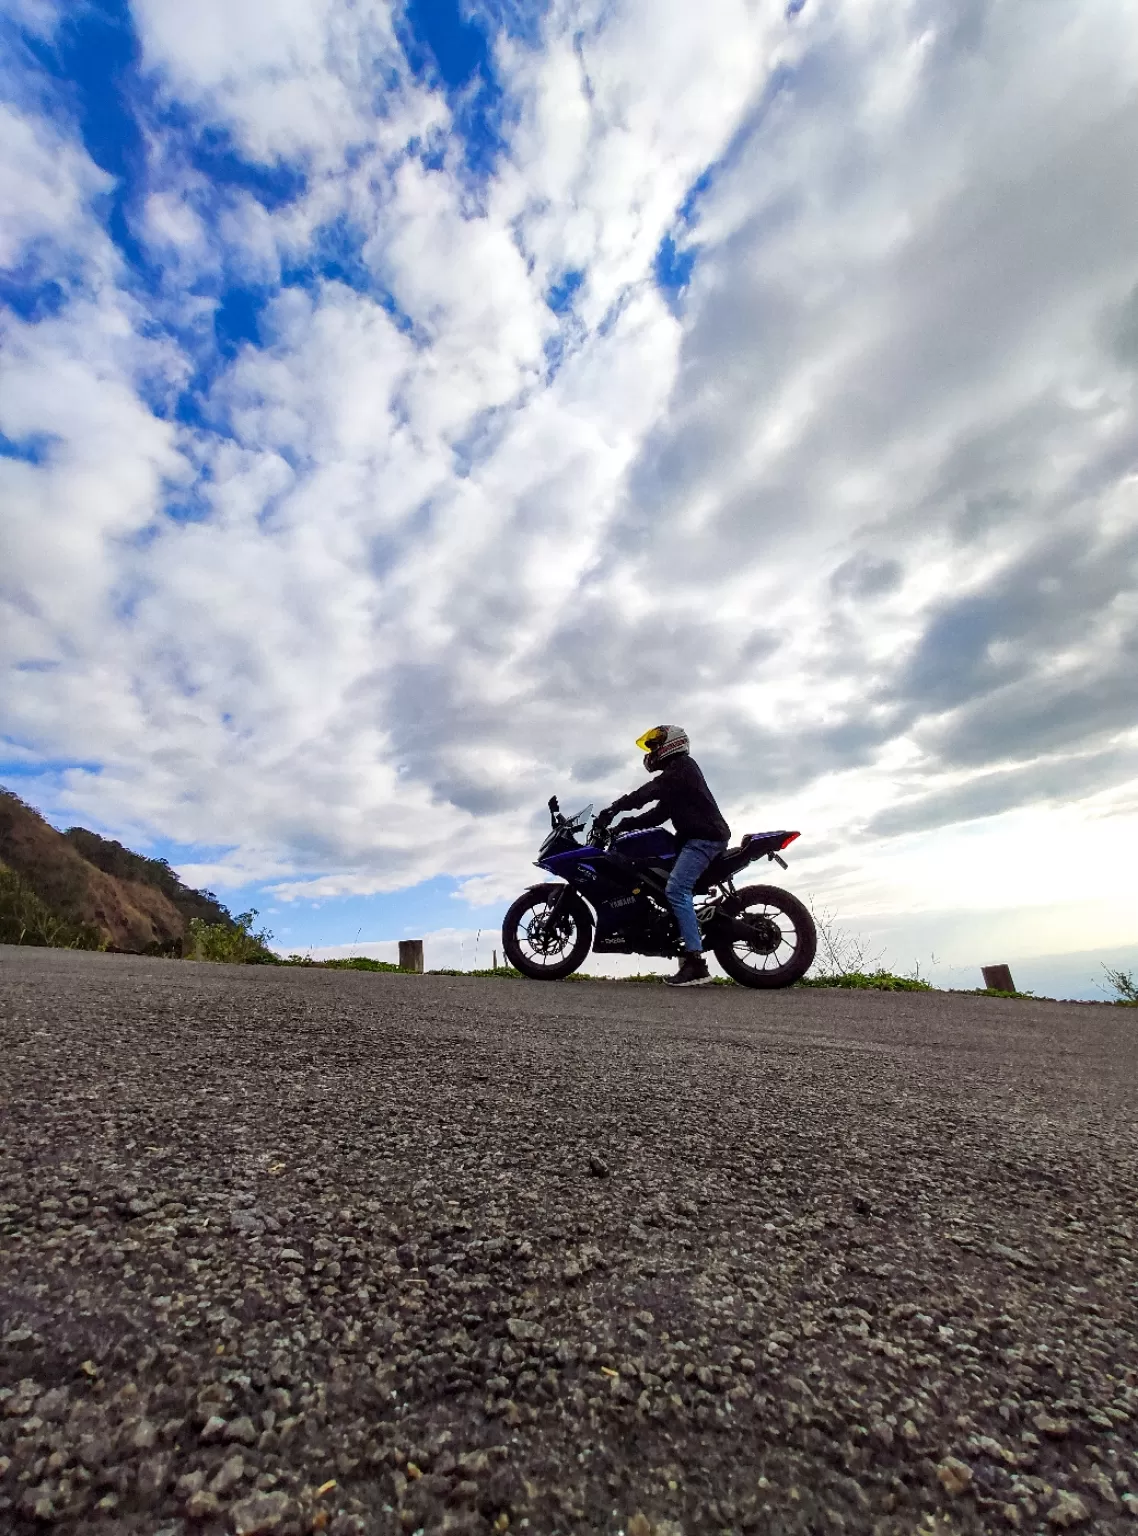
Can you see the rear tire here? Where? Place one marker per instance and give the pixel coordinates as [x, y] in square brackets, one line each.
[549, 957]
[788, 928]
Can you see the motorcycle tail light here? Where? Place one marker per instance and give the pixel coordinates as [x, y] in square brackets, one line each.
[788, 839]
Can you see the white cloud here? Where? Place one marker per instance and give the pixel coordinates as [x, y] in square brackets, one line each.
[858, 509]
[304, 84]
[46, 184]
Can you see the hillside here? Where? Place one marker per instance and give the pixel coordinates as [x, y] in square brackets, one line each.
[80, 889]
[123, 864]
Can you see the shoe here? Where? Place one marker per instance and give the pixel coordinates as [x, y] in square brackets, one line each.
[693, 972]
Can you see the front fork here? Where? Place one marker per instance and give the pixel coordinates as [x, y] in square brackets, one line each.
[543, 926]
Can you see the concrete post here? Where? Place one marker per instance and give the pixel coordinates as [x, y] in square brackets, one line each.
[998, 978]
[411, 955]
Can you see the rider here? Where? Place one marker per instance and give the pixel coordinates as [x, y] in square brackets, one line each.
[683, 798]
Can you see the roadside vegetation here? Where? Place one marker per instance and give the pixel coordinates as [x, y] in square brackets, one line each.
[25, 918]
[232, 943]
[844, 959]
[1124, 987]
[351, 963]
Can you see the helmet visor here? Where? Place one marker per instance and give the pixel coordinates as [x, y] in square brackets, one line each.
[651, 738]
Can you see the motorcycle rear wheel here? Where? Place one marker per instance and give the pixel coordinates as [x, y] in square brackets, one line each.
[789, 941]
[546, 956]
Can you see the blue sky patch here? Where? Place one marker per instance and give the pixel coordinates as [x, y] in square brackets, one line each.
[446, 47]
[94, 57]
[28, 450]
[95, 52]
[236, 319]
[30, 296]
[562, 293]
[46, 770]
[211, 151]
[455, 45]
[673, 266]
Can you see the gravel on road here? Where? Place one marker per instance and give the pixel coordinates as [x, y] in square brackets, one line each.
[287, 1251]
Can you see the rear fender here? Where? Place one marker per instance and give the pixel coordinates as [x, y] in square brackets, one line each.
[756, 844]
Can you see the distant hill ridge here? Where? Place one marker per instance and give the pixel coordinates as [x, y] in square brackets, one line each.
[77, 888]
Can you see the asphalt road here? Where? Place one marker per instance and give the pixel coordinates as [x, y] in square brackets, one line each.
[291, 1251]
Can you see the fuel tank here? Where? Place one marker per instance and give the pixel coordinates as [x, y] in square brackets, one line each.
[652, 846]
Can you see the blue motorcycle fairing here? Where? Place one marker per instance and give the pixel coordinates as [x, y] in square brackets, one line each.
[608, 885]
[654, 843]
[574, 863]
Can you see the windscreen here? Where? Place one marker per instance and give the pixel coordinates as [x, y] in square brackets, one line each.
[568, 824]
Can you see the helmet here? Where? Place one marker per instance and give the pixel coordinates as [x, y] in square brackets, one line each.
[662, 742]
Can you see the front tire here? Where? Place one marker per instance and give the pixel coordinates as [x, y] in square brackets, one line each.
[547, 954]
[786, 944]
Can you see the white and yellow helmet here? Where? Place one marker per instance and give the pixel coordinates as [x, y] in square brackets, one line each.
[660, 743]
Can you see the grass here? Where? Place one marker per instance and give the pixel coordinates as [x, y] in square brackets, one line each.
[878, 981]
[351, 963]
[998, 992]
[872, 981]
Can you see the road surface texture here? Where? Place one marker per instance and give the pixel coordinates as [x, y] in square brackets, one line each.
[291, 1251]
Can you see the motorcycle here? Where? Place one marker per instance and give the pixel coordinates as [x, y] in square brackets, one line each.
[609, 898]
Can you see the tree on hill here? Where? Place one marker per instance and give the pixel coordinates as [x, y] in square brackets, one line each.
[113, 858]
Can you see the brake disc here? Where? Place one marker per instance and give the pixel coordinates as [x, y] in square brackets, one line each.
[767, 934]
[546, 941]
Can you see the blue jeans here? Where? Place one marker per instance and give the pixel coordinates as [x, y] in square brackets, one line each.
[692, 860]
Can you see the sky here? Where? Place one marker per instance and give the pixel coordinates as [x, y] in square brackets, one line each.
[404, 406]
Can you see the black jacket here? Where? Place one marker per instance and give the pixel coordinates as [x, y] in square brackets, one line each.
[684, 800]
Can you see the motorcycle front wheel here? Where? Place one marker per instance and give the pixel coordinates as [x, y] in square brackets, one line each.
[782, 943]
[547, 950]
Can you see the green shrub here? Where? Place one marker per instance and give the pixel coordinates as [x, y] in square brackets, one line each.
[236, 945]
[349, 963]
[1124, 986]
[356, 963]
[874, 981]
[25, 918]
[503, 972]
